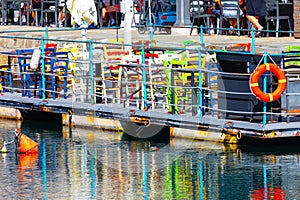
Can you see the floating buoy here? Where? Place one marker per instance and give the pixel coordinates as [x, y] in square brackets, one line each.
[25, 144]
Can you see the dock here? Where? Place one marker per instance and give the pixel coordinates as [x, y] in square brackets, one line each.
[81, 105]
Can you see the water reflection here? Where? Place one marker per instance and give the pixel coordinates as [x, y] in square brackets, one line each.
[89, 164]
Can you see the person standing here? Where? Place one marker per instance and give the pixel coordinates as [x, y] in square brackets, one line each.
[229, 13]
[254, 10]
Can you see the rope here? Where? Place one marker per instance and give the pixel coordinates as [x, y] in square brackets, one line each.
[5, 143]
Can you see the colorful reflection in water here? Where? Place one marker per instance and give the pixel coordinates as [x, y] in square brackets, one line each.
[86, 164]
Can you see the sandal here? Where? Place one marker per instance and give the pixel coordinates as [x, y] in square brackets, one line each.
[259, 32]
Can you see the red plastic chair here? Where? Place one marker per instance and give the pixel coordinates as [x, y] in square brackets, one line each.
[245, 47]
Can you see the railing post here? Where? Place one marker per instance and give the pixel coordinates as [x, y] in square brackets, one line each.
[43, 68]
[46, 34]
[151, 29]
[265, 91]
[201, 35]
[144, 76]
[252, 41]
[91, 72]
[200, 90]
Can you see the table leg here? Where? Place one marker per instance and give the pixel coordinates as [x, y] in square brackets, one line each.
[10, 74]
[194, 108]
[174, 108]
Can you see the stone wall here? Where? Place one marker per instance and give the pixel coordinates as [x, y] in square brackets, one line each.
[17, 43]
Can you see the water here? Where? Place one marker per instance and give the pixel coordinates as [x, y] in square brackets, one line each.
[85, 164]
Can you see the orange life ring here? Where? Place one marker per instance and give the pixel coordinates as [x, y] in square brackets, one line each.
[255, 76]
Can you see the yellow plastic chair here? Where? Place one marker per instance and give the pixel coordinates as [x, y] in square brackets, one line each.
[193, 62]
[73, 55]
[116, 40]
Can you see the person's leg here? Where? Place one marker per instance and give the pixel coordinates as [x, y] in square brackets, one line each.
[10, 16]
[112, 19]
[254, 21]
[256, 24]
[232, 25]
[232, 22]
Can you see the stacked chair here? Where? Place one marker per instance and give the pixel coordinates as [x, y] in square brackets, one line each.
[56, 65]
[108, 83]
[59, 80]
[291, 66]
[180, 94]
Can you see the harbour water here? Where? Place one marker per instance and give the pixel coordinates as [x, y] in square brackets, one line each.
[89, 164]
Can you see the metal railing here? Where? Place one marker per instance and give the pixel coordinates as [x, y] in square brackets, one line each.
[208, 94]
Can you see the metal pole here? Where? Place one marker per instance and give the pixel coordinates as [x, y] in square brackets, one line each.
[151, 28]
[252, 41]
[144, 77]
[265, 91]
[200, 82]
[47, 34]
[126, 7]
[182, 13]
[43, 69]
[91, 72]
[201, 35]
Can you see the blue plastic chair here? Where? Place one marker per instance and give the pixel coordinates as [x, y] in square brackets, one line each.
[31, 78]
[59, 73]
[24, 57]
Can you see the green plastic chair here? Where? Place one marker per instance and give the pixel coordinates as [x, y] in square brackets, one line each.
[178, 80]
[293, 59]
